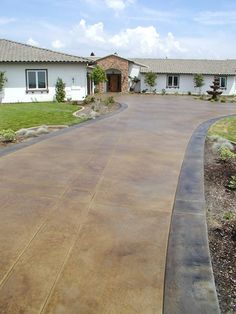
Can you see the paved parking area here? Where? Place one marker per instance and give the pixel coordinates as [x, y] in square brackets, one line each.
[85, 216]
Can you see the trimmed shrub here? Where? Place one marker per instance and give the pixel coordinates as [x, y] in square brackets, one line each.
[109, 100]
[89, 99]
[228, 216]
[216, 147]
[7, 135]
[60, 90]
[232, 183]
[219, 144]
[226, 154]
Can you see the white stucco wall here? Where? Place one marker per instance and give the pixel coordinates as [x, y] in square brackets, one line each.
[186, 84]
[15, 87]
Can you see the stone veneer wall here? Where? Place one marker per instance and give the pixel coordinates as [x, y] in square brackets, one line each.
[116, 63]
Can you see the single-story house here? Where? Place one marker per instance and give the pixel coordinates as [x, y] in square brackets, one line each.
[176, 75]
[173, 75]
[32, 72]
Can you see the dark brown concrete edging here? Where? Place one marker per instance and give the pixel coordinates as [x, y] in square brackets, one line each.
[189, 280]
[13, 148]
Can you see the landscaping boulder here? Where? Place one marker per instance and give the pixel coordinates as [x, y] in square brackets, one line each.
[42, 130]
[21, 132]
[93, 114]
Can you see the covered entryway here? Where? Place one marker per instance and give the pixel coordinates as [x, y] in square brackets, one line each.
[113, 81]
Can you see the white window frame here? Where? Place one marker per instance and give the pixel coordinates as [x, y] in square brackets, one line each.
[223, 77]
[37, 84]
[173, 76]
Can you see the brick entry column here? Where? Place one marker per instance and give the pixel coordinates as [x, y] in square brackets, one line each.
[116, 63]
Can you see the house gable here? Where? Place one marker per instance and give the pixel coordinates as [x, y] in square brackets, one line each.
[114, 62]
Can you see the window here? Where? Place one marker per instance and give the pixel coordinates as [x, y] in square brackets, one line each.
[36, 79]
[223, 82]
[172, 81]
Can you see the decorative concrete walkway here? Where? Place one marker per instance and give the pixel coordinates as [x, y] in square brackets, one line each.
[85, 216]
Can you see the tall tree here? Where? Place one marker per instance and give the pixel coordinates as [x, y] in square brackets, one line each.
[150, 79]
[198, 82]
[98, 76]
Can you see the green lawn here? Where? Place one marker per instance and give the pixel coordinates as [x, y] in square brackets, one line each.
[225, 128]
[25, 115]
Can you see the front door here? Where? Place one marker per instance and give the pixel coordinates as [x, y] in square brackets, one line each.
[114, 82]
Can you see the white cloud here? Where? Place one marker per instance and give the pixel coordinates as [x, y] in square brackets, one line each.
[115, 4]
[118, 5]
[89, 33]
[57, 44]
[32, 42]
[145, 41]
[139, 41]
[5, 20]
[216, 18]
[171, 44]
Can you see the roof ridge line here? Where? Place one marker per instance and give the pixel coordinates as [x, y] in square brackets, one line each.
[181, 59]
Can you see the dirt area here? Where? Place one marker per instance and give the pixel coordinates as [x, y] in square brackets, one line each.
[221, 210]
[90, 111]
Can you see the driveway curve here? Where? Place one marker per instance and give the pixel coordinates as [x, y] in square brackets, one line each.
[85, 216]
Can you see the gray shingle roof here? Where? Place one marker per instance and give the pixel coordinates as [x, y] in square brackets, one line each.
[188, 66]
[11, 51]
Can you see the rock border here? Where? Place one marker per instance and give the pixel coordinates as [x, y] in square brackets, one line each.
[35, 140]
[189, 280]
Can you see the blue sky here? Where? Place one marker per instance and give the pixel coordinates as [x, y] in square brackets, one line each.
[132, 28]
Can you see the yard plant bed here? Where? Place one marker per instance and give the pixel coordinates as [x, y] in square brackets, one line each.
[221, 210]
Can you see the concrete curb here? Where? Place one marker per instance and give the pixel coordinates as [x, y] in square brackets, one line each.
[35, 140]
[75, 113]
[189, 280]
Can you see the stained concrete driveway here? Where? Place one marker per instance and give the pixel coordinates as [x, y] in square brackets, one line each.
[85, 216]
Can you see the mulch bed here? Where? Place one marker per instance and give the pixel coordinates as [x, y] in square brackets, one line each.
[221, 209]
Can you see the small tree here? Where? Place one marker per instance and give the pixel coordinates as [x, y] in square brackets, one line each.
[98, 75]
[2, 80]
[150, 79]
[198, 81]
[60, 90]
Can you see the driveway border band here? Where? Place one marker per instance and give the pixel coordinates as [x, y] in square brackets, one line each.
[189, 280]
[16, 147]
